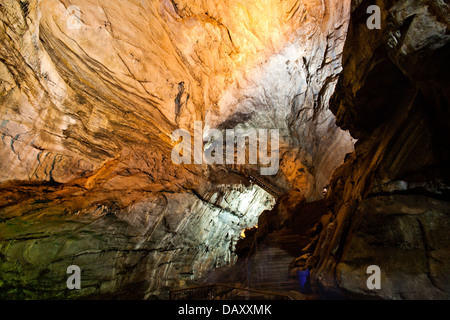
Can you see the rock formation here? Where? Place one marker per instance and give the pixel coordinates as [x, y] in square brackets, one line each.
[90, 95]
[387, 205]
[390, 198]
[91, 92]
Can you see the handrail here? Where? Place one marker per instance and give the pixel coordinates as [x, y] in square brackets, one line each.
[271, 190]
[174, 292]
[253, 177]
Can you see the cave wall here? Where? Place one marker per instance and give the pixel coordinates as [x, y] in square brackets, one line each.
[87, 116]
[134, 71]
[136, 252]
[86, 120]
[390, 197]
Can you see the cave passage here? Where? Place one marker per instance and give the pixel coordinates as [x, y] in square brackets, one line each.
[95, 98]
[159, 145]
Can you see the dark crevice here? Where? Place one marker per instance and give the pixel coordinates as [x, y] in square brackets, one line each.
[25, 6]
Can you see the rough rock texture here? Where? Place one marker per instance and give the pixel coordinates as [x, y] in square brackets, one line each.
[86, 121]
[136, 70]
[270, 254]
[390, 197]
[135, 252]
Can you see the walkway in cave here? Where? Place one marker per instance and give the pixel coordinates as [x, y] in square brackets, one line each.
[268, 268]
[254, 177]
[265, 264]
[271, 258]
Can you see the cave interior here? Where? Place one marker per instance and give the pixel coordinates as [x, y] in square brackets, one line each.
[165, 147]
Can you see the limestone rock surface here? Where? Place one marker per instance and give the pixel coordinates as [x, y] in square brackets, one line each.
[390, 197]
[90, 93]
